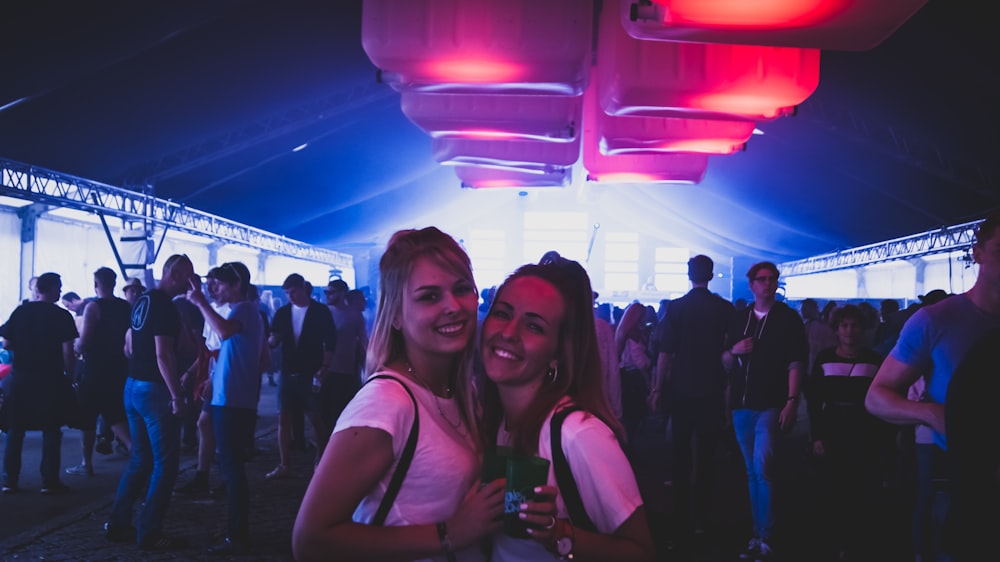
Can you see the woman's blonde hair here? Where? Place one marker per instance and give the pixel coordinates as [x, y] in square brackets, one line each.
[387, 345]
[629, 326]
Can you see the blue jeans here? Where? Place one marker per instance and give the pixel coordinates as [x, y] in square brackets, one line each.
[756, 434]
[51, 449]
[234, 439]
[156, 440]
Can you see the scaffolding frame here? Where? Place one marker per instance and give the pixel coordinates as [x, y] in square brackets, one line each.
[25, 181]
[958, 237]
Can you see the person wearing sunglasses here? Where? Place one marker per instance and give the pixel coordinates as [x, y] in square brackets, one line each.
[766, 354]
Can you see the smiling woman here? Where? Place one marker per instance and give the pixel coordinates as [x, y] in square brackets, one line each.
[543, 396]
[414, 413]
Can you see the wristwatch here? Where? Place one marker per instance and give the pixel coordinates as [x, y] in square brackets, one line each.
[564, 548]
[564, 545]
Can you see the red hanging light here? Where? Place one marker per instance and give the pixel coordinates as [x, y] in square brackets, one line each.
[517, 154]
[849, 25]
[482, 177]
[630, 134]
[665, 167]
[494, 116]
[699, 80]
[480, 45]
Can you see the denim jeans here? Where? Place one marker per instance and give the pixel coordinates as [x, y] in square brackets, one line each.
[156, 438]
[756, 434]
[51, 448]
[234, 439]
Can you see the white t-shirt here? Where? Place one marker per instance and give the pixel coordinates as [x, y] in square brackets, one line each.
[444, 466]
[212, 340]
[298, 318]
[603, 475]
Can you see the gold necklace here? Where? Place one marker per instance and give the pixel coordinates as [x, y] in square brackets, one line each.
[447, 393]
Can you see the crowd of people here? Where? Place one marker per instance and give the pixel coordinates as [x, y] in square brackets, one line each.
[180, 363]
[404, 413]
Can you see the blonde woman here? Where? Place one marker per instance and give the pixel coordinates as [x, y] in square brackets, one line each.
[423, 339]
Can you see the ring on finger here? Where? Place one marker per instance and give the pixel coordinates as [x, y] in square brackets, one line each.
[551, 523]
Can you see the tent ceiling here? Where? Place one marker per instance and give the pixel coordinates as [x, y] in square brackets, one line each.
[210, 98]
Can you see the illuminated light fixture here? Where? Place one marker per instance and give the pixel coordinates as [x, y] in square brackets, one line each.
[494, 116]
[532, 156]
[481, 71]
[628, 145]
[699, 80]
[480, 45]
[629, 134]
[482, 177]
[841, 25]
[666, 167]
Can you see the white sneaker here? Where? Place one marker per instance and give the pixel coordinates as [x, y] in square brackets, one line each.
[279, 473]
[752, 549]
[81, 470]
[764, 553]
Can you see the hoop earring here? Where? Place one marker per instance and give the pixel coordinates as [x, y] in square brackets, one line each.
[552, 374]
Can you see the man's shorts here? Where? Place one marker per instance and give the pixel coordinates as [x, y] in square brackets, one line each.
[100, 399]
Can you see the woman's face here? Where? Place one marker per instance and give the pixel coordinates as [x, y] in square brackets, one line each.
[438, 310]
[520, 338]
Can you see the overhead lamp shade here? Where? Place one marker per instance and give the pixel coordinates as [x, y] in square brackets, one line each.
[479, 177]
[840, 25]
[480, 45]
[494, 116]
[644, 135]
[677, 167]
[530, 155]
[700, 80]
[631, 134]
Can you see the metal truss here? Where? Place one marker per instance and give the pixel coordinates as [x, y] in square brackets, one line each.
[947, 239]
[40, 185]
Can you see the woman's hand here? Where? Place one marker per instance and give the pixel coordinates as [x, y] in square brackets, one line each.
[540, 514]
[479, 515]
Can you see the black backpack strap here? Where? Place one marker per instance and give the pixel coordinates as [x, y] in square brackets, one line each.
[404, 459]
[564, 476]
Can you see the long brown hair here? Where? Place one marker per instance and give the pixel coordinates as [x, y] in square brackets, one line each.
[579, 374]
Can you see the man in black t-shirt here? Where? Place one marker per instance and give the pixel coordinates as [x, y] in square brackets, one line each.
[39, 393]
[690, 375]
[154, 404]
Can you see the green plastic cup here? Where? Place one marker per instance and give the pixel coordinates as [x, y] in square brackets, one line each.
[524, 474]
[495, 463]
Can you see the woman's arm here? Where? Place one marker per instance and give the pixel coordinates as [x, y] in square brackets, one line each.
[630, 541]
[354, 461]
[609, 493]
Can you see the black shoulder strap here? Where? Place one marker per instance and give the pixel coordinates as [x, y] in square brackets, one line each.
[564, 476]
[404, 459]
